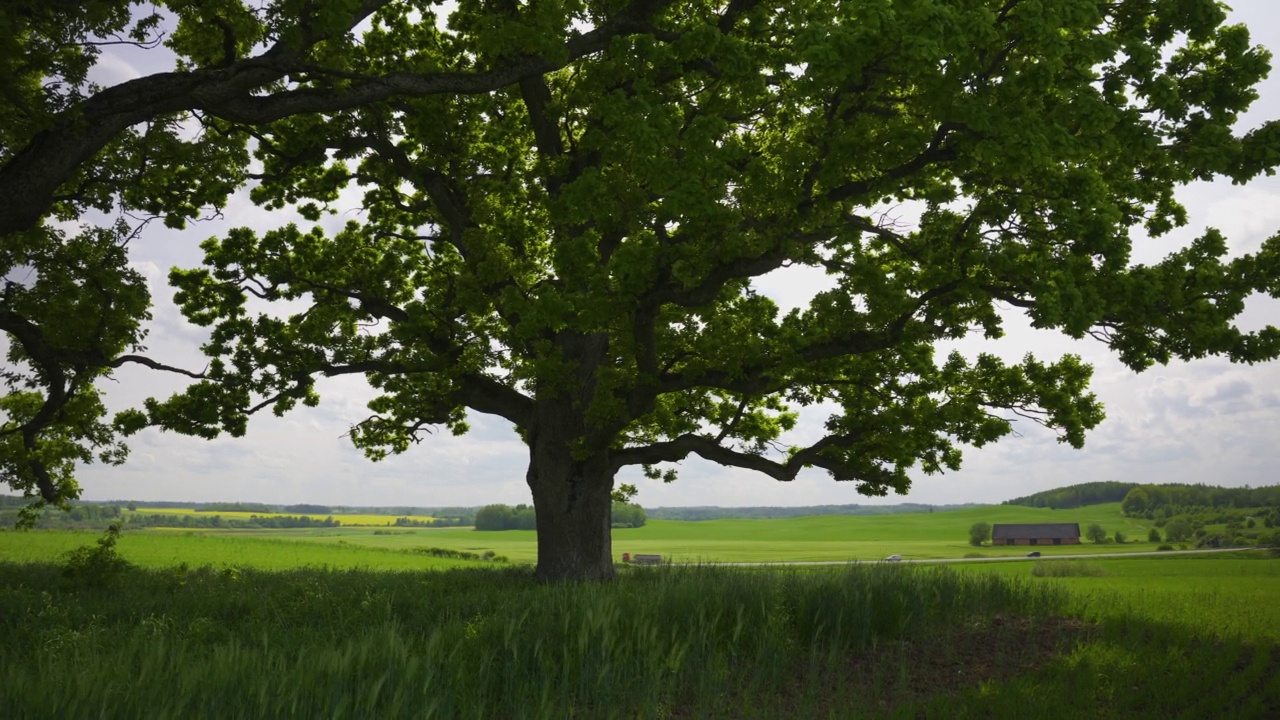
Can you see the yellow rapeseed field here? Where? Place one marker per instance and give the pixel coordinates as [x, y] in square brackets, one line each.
[346, 520]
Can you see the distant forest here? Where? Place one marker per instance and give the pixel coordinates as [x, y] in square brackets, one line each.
[88, 515]
[1141, 498]
[1074, 496]
[766, 513]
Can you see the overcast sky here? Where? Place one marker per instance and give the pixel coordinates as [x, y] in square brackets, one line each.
[1207, 421]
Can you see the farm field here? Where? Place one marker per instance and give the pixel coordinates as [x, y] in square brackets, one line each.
[816, 538]
[340, 622]
[221, 550]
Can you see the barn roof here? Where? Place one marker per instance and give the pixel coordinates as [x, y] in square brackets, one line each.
[1035, 530]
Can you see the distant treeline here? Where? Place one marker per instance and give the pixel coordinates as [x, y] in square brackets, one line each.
[1170, 500]
[767, 513]
[1074, 496]
[522, 517]
[433, 522]
[218, 521]
[1139, 498]
[85, 516]
[456, 513]
[443, 516]
[79, 517]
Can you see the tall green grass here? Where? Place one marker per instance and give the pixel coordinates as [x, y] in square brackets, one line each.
[698, 642]
[676, 642]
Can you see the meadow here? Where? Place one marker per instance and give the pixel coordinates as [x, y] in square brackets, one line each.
[681, 642]
[347, 624]
[806, 539]
[162, 549]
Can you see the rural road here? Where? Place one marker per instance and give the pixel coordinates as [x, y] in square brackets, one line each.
[1163, 553]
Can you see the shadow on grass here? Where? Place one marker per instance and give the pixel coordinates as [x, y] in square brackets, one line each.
[1124, 667]
[672, 643]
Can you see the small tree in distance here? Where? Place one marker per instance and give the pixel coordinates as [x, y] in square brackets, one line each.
[1177, 530]
[1120, 538]
[1095, 533]
[1153, 536]
[979, 533]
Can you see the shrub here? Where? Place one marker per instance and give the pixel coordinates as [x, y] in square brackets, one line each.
[1165, 547]
[96, 566]
[1153, 536]
[459, 554]
[1096, 533]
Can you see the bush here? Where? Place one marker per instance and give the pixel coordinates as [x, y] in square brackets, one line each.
[96, 567]
[1165, 547]
[1096, 533]
[1153, 536]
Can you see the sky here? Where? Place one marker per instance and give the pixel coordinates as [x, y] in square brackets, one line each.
[1207, 421]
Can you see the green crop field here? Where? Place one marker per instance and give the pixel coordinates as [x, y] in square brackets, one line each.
[171, 548]
[817, 538]
[1231, 595]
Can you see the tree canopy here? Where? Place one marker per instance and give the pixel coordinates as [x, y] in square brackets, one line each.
[979, 533]
[566, 206]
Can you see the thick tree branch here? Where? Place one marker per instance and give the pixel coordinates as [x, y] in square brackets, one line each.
[709, 449]
[31, 178]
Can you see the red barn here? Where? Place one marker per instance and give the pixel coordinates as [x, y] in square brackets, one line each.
[1036, 534]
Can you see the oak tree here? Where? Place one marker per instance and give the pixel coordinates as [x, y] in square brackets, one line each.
[567, 205]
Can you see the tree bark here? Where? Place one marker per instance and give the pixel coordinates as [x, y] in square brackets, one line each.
[572, 499]
[570, 470]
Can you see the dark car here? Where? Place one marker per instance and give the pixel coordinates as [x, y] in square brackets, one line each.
[1034, 553]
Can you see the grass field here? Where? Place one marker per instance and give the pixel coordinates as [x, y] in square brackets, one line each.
[817, 538]
[862, 641]
[225, 624]
[1231, 596]
[221, 550]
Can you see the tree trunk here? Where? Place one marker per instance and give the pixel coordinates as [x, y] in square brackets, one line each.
[570, 471]
[572, 499]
